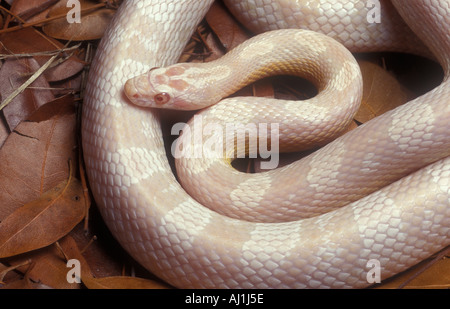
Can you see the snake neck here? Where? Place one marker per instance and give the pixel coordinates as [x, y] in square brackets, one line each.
[283, 52]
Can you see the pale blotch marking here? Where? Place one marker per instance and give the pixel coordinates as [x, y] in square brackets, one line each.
[186, 219]
[201, 165]
[250, 192]
[369, 162]
[403, 134]
[314, 46]
[440, 179]
[194, 75]
[261, 253]
[309, 110]
[342, 80]
[140, 163]
[257, 49]
[333, 162]
[218, 111]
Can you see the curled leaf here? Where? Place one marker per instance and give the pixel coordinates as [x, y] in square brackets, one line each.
[24, 101]
[382, 92]
[91, 25]
[225, 27]
[44, 220]
[34, 157]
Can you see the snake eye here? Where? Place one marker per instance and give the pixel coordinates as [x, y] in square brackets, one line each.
[161, 98]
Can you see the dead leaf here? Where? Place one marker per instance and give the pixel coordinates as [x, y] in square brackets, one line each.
[8, 274]
[225, 26]
[34, 157]
[49, 264]
[23, 283]
[4, 132]
[122, 282]
[16, 72]
[68, 86]
[27, 40]
[44, 220]
[31, 10]
[92, 23]
[50, 268]
[71, 250]
[382, 92]
[103, 255]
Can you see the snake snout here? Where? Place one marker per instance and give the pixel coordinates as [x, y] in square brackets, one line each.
[136, 89]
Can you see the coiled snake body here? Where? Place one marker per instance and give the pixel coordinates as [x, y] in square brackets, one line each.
[189, 245]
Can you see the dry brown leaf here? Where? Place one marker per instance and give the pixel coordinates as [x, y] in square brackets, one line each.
[71, 250]
[70, 247]
[68, 86]
[28, 40]
[214, 48]
[122, 282]
[4, 133]
[263, 88]
[225, 26]
[382, 92]
[43, 221]
[23, 283]
[15, 72]
[92, 24]
[31, 10]
[49, 264]
[8, 273]
[103, 255]
[34, 157]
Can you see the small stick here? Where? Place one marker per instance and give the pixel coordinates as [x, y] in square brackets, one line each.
[27, 83]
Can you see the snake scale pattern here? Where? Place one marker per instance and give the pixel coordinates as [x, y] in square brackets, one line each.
[188, 245]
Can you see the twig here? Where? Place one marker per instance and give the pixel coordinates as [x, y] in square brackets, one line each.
[90, 242]
[428, 265]
[60, 249]
[43, 53]
[14, 267]
[27, 83]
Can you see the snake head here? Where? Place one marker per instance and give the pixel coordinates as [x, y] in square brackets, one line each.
[160, 88]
